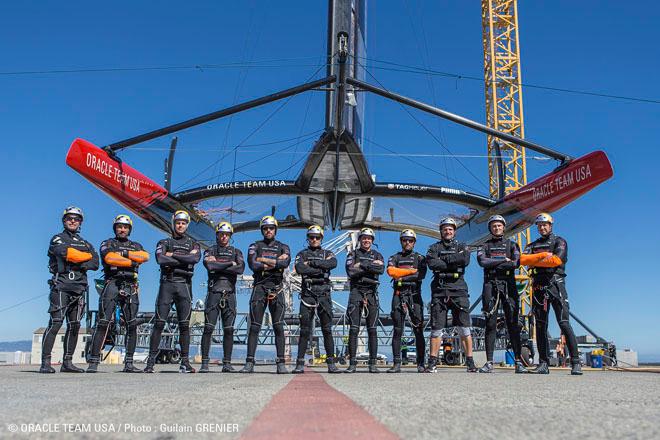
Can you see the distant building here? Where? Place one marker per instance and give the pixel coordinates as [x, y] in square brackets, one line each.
[58, 347]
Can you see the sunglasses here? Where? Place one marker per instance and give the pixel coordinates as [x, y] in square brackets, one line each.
[313, 237]
[72, 219]
[408, 240]
[268, 228]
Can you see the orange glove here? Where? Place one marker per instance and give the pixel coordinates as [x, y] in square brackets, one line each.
[115, 259]
[138, 256]
[398, 272]
[550, 261]
[532, 260]
[76, 256]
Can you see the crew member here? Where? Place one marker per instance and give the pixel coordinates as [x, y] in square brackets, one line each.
[547, 257]
[223, 263]
[500, 257]
[448, 259]
[177, 256]
[69, 259]
[363, 266]
[407, 269]
[121, 259]
[314, 265]
[267, 258]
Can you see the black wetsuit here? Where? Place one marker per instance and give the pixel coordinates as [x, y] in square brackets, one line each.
[407, 302]
[175, 287]
[121, 289]
[314, 265]
[449, 291]
[67, 291]
[221, 296]
[549, 289]
[363, 298]
[267, 292]
[500, 291]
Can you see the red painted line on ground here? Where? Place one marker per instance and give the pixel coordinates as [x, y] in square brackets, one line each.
[307, 407]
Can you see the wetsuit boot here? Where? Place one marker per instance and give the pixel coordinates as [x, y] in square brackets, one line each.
[372, 366]
[396, 368]
[227, 368]
[205, 366]
[352, 367]
[576, 369]
[541, 369]
[248, 367]
[150, 365]
[185, 367]
[332, 368]
[300, 367]
[68, 367]
[93, 367]
[45, 366]
[281, 368]
[130, 368]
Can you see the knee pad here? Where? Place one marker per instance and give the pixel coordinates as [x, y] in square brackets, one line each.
[184, 325]
[398, 331]
[354, 328]
[278, 327]
[74, 325]
[436, 333]
[159, 324]
[102, 323]
[372, 331]
[208, 329]
[228, 330]
[464, 332]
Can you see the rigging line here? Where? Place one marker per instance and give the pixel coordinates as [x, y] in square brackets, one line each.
[407, 110]
[23, 302]
[420, 70]
[425, 56]
[293, 165]
[420, 164]
[286, 101]
[412, 213]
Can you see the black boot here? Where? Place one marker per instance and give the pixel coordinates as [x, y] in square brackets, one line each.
[281, 368]
[248, 367]
[227, 368]
[185, 367]
[332, 368]
[469, 363]
[576, 368]
[487, 368]
[150, 365]
[352, 367]
[396, 368]
[520, 368]
[45, 366]
[205, 366]
[372, 366]
[130, 368]
[432, 367]
[300, 367]
[93, 367]
[68, 367]
[541, 369]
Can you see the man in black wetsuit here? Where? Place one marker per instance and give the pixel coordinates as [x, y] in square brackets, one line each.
[121, 258]
[363, 266]
[547, 257]
[407, 269]
[500, 257]
[448, 259]
[69, 259]
[224, 263]
[177, 256]
[314, 265]
[267, 258]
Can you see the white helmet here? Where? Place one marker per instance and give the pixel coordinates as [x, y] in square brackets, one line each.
[73, 210]
[544, 217]
[268, 220]
[315, 230]
[368, 232]
[224, 227]
[123, 219]
[496, 218]
[408, 233]
[180, 215]
[448, 221]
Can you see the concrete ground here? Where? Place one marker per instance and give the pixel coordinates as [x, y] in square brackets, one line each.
[450, 403]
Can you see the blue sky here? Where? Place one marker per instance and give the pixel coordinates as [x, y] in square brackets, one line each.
[592, 46]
